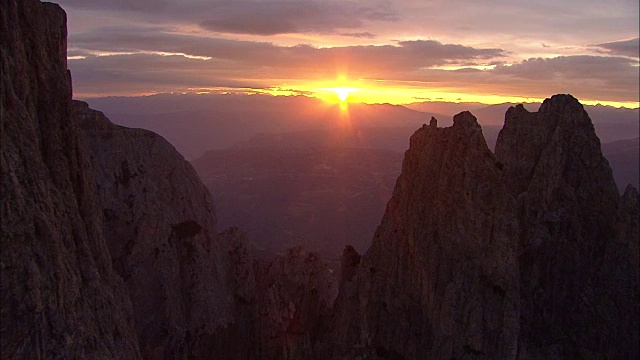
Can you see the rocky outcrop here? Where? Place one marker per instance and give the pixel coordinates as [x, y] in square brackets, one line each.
[159, 223]
[530, 254]
[109, 243]
[629, 224]
[578, 286]
[294, 295]
[60, 295]
[441, 278]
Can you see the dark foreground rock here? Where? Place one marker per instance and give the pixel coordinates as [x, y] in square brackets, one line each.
[60, 295]
[578, 285]
[441, 278]
[530, 254]
[160, 227]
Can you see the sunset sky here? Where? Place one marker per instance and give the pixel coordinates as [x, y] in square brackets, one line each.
[384, 51]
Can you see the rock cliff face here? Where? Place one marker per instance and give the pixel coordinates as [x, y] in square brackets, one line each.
[294, 296]
[529, 254]
[159, 223]
[60, 295]
[440, 280]
[578, 285]
[629, 224]
[109, 240]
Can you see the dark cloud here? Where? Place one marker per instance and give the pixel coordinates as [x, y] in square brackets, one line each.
[228, 60]
[362, 35]
[118, 5]
[617, 71]
[253, 17]
[149, 29]
[287, 16]
[301, 59]
[629, 47]
[150, 73]
[588, 77]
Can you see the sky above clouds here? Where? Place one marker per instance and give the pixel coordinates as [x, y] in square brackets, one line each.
[391, 51]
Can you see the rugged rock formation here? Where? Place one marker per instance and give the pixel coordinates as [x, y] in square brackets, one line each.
[578, 287]
[87, 204]
[60, 295]
[293, 297]
[440, 280]
[159, 222]
[529, 254]
[629, 224]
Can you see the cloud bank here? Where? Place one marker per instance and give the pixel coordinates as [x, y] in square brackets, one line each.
[525, 49]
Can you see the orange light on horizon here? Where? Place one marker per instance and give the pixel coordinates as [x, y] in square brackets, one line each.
[340, 93]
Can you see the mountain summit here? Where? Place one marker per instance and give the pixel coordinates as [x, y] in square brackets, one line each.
[517, 255]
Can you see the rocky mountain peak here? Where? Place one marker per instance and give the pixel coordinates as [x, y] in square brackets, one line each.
[567, 206]
[433, 122]
[526, 238]
[444, 243]
[466, 120]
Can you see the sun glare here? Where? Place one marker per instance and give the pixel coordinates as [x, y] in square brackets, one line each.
[343, 93]
[337, 94]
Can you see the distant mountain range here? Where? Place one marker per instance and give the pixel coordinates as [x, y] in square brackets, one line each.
[198, 123]
[195, 123]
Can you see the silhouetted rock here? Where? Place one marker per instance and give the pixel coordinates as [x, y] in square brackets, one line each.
[579, 291]
[440, 280]
[294, 295]
[629, 223]
[529, 254]
[238, 340]
[159, 222]
[61, 298]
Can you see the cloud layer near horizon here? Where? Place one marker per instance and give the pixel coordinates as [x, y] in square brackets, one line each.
[161, 46]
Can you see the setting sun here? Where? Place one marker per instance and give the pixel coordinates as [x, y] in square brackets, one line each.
[335, 94]
[343, 93]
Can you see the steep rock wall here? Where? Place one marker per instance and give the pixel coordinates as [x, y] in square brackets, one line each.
[578, 284]
[440, 280]
[159, 223]
[530, 254]
[60, 295]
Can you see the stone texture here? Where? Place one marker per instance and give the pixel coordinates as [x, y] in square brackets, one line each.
[159, 222]
[440, 280]
[294, 295]
[578, 286]
[238, 340]
[530, 254]
[629, 224]
[60, 295]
